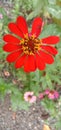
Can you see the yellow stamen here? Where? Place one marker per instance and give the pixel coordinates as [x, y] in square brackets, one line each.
[22, 41]
[33, 36]
[26, 36]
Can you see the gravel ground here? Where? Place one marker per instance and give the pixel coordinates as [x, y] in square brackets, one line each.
[21, 120]
[33, 119]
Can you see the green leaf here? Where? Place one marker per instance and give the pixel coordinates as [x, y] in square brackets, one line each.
[53, 2]
[55, 11]
[38, 8]
[51, 29]
[18, 102]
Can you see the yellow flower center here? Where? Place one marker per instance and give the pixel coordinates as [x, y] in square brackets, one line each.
[30, 44]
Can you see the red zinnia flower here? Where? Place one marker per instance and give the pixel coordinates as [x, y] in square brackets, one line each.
[27, 50]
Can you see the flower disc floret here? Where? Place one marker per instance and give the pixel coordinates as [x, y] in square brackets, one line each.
[30, 44]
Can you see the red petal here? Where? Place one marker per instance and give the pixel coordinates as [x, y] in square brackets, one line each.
[30, 64]
[14, 28]
[13, 56]
[39, 62]
[37, 26]
[22, 25]
[20, 62]
[51, 40]
[11, 47]
[50, 49]
[11, 39]
[47, 58]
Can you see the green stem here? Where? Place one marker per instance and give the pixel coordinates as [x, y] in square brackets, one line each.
[33, 82]
[28, 80]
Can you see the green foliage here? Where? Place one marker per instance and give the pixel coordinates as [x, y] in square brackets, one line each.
[4, 88]
[50, 106]
[4, 21]
[55, 11]
[17, 100]
[53, 7]
[21, 7]
[38, 7]
[53, 71]
[51, 29]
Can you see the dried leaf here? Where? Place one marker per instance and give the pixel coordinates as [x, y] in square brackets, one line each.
[14, 115]
[46, 127]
